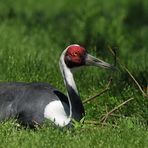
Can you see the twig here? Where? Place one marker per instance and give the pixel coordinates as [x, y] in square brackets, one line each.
[103, 119]
[114, 53]
[100, 93]
[91, 122]
[143, 93]
[136, 82]
[36, 124]
[92, 98]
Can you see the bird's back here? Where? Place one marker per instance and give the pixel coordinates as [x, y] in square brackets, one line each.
[27, 100]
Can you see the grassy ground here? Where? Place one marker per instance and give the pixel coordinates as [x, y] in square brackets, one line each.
[32, 36]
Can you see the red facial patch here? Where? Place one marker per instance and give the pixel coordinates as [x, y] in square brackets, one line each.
[75, 56]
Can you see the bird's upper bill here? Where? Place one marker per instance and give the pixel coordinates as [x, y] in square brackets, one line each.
[77, 56]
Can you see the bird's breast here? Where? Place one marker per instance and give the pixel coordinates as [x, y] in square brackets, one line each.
[57, 112]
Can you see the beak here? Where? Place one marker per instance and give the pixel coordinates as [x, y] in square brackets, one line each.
[93, 61]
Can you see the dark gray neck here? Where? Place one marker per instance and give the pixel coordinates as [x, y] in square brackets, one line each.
[75, 103]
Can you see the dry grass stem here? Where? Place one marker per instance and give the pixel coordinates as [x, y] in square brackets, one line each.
[133, 78]
[103, 119]
[99, 94]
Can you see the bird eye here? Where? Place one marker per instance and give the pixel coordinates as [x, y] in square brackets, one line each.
[75, 54]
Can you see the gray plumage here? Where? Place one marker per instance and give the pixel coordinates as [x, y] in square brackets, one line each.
[26, 101]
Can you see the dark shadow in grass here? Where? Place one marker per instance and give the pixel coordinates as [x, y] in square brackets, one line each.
[94, 39]
[38, 18]
[63, 24]
[136, 16]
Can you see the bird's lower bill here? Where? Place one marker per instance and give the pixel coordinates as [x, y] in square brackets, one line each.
[93, 61]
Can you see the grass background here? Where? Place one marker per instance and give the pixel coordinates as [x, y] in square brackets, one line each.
[32, 36]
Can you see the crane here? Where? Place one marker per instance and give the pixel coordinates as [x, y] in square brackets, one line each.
[33, 103]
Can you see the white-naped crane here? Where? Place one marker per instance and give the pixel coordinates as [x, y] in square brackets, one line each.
[32, 103]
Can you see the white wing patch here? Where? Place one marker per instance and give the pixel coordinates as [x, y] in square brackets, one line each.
[57, 112]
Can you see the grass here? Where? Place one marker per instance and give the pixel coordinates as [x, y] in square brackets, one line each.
[32, 36]
[127, 134]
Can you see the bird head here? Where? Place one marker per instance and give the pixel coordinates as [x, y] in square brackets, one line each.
[76, 56]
